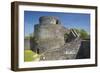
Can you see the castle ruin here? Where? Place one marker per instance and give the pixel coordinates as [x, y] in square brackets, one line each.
[49, 34]
[51, 42]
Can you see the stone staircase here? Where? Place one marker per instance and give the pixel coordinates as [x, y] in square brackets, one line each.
[72, 48]
[67, 51]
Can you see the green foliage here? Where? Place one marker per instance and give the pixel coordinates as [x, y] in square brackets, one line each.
[30, 56]
[83, 33]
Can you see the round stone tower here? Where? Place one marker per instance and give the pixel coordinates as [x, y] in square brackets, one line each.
[48, 20]
[48, 33]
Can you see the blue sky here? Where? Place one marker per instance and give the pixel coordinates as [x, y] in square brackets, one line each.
[68, 20]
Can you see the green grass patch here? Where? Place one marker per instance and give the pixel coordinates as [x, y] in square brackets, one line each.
[29, 55]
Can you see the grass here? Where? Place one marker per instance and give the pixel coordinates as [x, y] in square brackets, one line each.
[29, 55]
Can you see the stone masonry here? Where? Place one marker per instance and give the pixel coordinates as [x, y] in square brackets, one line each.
[51, 45]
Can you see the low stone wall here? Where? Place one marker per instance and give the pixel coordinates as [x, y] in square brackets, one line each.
[84, 51]
[27, 43]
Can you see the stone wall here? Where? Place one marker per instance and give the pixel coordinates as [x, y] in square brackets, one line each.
[26, 43]
[48, 33]
[84, 50]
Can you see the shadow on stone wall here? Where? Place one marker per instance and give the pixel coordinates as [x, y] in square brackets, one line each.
[84, 51]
